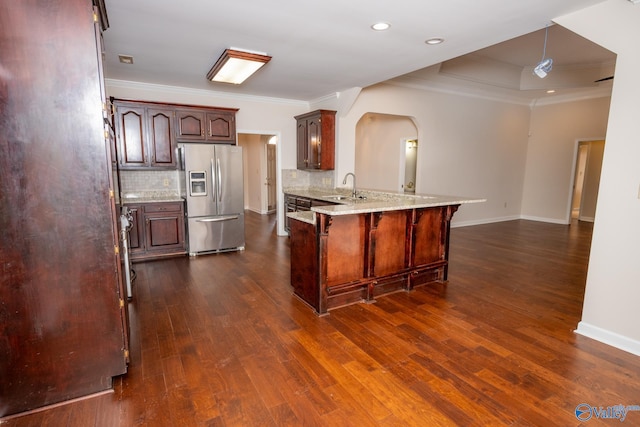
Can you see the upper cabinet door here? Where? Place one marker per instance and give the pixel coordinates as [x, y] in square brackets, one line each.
[314, 142]
[191, 125]
[221, 126]
[131, 134]
[162, 142]
[302, 155]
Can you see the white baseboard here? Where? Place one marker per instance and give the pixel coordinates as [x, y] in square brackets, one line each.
[610, 338]
[543, 219]
[455, 224]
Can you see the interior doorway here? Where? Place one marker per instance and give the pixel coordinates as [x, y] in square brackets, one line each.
[381, 152]
[586, 181]
[260, 165]
[271, 175]
[408, 164]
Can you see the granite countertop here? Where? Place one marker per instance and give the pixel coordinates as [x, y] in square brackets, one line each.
[368, 201]
[150, 197]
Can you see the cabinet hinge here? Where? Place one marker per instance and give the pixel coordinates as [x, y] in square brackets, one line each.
[111, 193]
[121, 303]
[95, 17]
[126, 354]
[116, 249]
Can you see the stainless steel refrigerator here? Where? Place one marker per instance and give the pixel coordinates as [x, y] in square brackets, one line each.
[215, 197]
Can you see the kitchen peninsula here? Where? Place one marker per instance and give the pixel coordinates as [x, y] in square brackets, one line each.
[355, 249]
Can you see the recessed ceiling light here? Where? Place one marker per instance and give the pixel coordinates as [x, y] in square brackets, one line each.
[434, 40]
[126, 59]
[381, 26]
[551, 91]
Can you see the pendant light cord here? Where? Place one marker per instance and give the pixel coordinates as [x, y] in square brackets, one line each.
[544, 49]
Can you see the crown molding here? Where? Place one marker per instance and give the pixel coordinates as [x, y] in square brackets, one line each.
[152, 87]
[446, 88]
[601, 92]
[460, 91]
[491, 94]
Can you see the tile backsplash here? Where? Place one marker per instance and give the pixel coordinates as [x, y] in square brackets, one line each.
[141, 183]
[295, 178]
[151, 183]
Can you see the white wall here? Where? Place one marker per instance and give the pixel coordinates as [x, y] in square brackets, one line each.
[555, 131]
[610, 311]
[466, 146]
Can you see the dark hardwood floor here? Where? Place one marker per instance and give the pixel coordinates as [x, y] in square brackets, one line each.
[220, 341]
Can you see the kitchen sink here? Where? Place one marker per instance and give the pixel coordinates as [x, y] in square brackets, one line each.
[343, 198]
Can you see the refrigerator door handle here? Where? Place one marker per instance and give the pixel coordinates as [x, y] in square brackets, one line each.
[219, 168]
[219, 218]
[213, 182]
[181, 157]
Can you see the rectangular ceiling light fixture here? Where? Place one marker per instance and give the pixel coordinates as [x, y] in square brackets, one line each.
[235, 66]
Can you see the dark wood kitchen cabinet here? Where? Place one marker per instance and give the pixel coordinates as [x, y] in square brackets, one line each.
[315, 140]
[63, 324]
[145, 135]
[206, 125]
[294, 203]
[157, 230]
[344, 259]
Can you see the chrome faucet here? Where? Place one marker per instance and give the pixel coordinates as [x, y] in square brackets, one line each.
[354, 193]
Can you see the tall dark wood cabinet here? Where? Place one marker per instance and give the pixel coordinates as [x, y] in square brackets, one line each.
[315, 140]
[63, 327]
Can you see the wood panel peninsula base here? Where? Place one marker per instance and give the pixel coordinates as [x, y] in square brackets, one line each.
[340, 258]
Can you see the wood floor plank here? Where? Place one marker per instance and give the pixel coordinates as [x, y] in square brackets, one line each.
[404, 402]
[360, 396]
[220, 340]
[265, 371]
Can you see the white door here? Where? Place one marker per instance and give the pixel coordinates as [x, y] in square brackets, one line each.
[271, 177]
[588, 161]
[408, 164]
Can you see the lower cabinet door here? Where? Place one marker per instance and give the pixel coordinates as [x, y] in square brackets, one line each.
[157, 230]
[164, 232]
[136, 232]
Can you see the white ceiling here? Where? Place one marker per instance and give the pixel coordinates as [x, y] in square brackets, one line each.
[320, 48]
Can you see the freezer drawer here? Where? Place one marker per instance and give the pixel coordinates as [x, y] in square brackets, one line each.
[216, 233]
